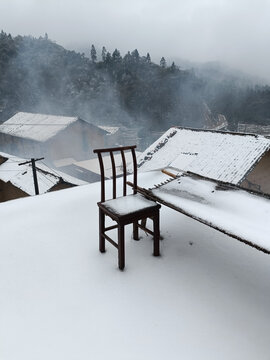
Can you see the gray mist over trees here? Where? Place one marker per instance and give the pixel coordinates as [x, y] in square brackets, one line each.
[41, 76]
[104, 88]
[232, 32]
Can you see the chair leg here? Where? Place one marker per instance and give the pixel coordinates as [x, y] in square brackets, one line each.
[156, 235]
[121, 247]
[101, 231]
[143, 222]
[136, 231]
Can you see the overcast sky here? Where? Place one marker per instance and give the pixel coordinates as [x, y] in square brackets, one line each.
[234, 32]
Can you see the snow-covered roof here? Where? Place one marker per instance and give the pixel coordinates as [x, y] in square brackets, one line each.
[206, 297]
[221, 156]
[110, 129]
[229, 209]
[254, 129]
[38, 127]
[22, 176]
[93, 164]
[63, 162]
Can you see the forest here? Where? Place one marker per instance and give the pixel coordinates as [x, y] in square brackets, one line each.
[38, 75]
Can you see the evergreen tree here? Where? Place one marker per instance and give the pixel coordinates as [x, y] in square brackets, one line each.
[135, 55]
[148, 58]
[163, 63]
[103, 54]
[116, 56]
[127, 58]
[108, 59]
[93, 54]
[173, 67]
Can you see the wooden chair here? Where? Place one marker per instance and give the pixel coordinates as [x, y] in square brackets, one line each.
[126, 209]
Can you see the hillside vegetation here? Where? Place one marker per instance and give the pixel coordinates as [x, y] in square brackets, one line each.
[38, 75]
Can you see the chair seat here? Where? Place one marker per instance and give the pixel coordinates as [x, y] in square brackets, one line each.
[129, 204]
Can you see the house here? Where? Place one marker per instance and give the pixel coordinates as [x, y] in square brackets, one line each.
[93, 167]
[17, 181]
[120, 136]
[88, 170]
[238, 159]
[72, 167]
[113, 135]
[53, 137]
[254, 129]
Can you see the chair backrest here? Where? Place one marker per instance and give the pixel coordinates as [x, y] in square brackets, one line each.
[123, 150]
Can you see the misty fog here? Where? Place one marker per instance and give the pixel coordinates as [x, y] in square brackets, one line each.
[232, 32]
[215, 62]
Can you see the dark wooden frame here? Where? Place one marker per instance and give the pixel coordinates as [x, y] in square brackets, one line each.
[130, 218]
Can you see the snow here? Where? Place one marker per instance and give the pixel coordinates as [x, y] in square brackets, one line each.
[128, 204]
[22, 176]
[39, 127]
[63, 162]
[111, 130]
[93, 164]
[206, 297]
[218, 155]
[237, 212]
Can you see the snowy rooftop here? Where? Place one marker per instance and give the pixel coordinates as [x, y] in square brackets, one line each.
[218, 155]
[22, 176]
[254, 129]
[93, 164]
[236, 212]
[206, 297]
[110, 129]
[37, 127]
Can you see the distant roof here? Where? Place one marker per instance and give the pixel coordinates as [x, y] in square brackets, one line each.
[22, 176]
[110, 129]
[221, 156]
[254, 129]
[38, 127]
[93, 164]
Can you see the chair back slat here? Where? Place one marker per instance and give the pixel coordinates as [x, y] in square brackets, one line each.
[124, 173]
[102, 176]
[134, 171]
[111, 151]
[113, 174]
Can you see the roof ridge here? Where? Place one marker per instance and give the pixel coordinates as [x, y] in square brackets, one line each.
[224, 132]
